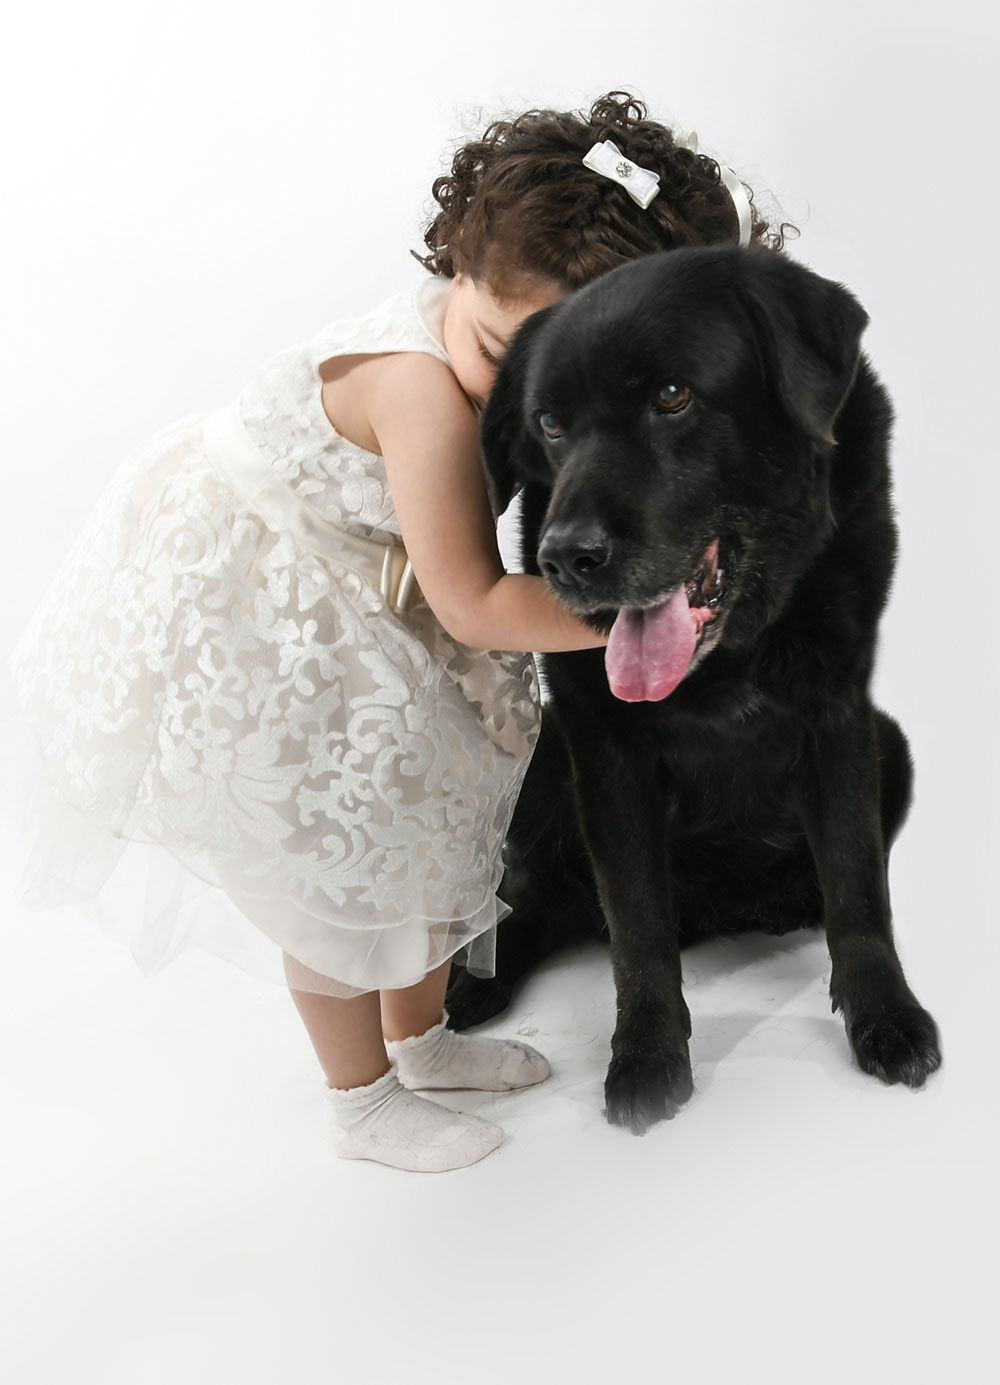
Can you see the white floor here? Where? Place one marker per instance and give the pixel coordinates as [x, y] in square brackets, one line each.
[172, 1212]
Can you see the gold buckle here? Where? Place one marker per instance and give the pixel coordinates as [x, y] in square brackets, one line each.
[397, 583]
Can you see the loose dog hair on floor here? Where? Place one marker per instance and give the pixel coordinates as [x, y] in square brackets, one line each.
[703, 456]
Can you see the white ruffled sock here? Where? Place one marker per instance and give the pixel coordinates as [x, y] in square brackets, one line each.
[441, 1059]
[390, 1125]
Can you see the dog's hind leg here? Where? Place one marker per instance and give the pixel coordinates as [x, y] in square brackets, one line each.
[895, 775]
[548, 884]
[533, 932]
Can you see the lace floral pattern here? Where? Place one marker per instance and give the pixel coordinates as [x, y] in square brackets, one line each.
[203, 684]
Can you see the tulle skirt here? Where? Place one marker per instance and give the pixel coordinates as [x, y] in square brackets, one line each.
[237, 744]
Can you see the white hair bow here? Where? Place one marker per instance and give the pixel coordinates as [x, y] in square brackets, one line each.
[641, 184]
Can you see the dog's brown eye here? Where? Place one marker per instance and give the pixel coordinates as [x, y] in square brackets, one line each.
[670, 399]
[550, 425]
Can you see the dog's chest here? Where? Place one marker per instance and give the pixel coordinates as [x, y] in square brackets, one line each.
[740, 775]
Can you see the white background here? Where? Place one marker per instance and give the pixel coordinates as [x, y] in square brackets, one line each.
[186, 190]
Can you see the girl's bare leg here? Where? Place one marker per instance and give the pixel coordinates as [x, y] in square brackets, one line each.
[414, 1009]
[346, 1034]
[373, 1115]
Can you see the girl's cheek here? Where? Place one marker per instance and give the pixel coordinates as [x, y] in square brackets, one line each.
[479, 378]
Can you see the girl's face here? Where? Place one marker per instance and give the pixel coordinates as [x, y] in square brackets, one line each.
[478, 327]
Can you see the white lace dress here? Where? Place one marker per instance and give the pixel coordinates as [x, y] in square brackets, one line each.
[243, 745]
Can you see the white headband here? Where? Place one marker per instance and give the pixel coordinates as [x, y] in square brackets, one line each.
[737, 192]
[642, 184]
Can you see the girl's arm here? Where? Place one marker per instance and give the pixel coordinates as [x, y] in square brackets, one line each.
[426, 430]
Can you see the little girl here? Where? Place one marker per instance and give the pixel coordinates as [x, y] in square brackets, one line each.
[248, 709]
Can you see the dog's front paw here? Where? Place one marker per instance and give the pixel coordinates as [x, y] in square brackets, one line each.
[474, 999]
[899, 1046]
[641, 1091]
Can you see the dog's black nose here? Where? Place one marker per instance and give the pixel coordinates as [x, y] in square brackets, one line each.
[569, 556]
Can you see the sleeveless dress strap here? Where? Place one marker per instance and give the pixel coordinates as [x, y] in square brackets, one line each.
[409, 321]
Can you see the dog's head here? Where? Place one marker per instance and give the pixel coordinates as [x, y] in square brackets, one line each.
[679, 414]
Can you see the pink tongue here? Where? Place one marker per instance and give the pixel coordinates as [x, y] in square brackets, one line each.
[649, 652]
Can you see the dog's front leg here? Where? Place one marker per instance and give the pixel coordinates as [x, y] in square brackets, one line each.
[623, 815]
[891, 1035]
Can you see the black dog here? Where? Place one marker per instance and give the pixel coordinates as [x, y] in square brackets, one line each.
[703, 457]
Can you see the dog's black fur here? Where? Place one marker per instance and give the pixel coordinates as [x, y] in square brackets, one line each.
[765, 791]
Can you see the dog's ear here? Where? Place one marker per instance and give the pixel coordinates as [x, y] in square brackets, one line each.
[508, 451]
[810, 332]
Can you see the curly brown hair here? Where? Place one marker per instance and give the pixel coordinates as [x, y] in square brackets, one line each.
[519, 205]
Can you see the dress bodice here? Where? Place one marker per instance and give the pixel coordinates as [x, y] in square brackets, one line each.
[282, 408]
